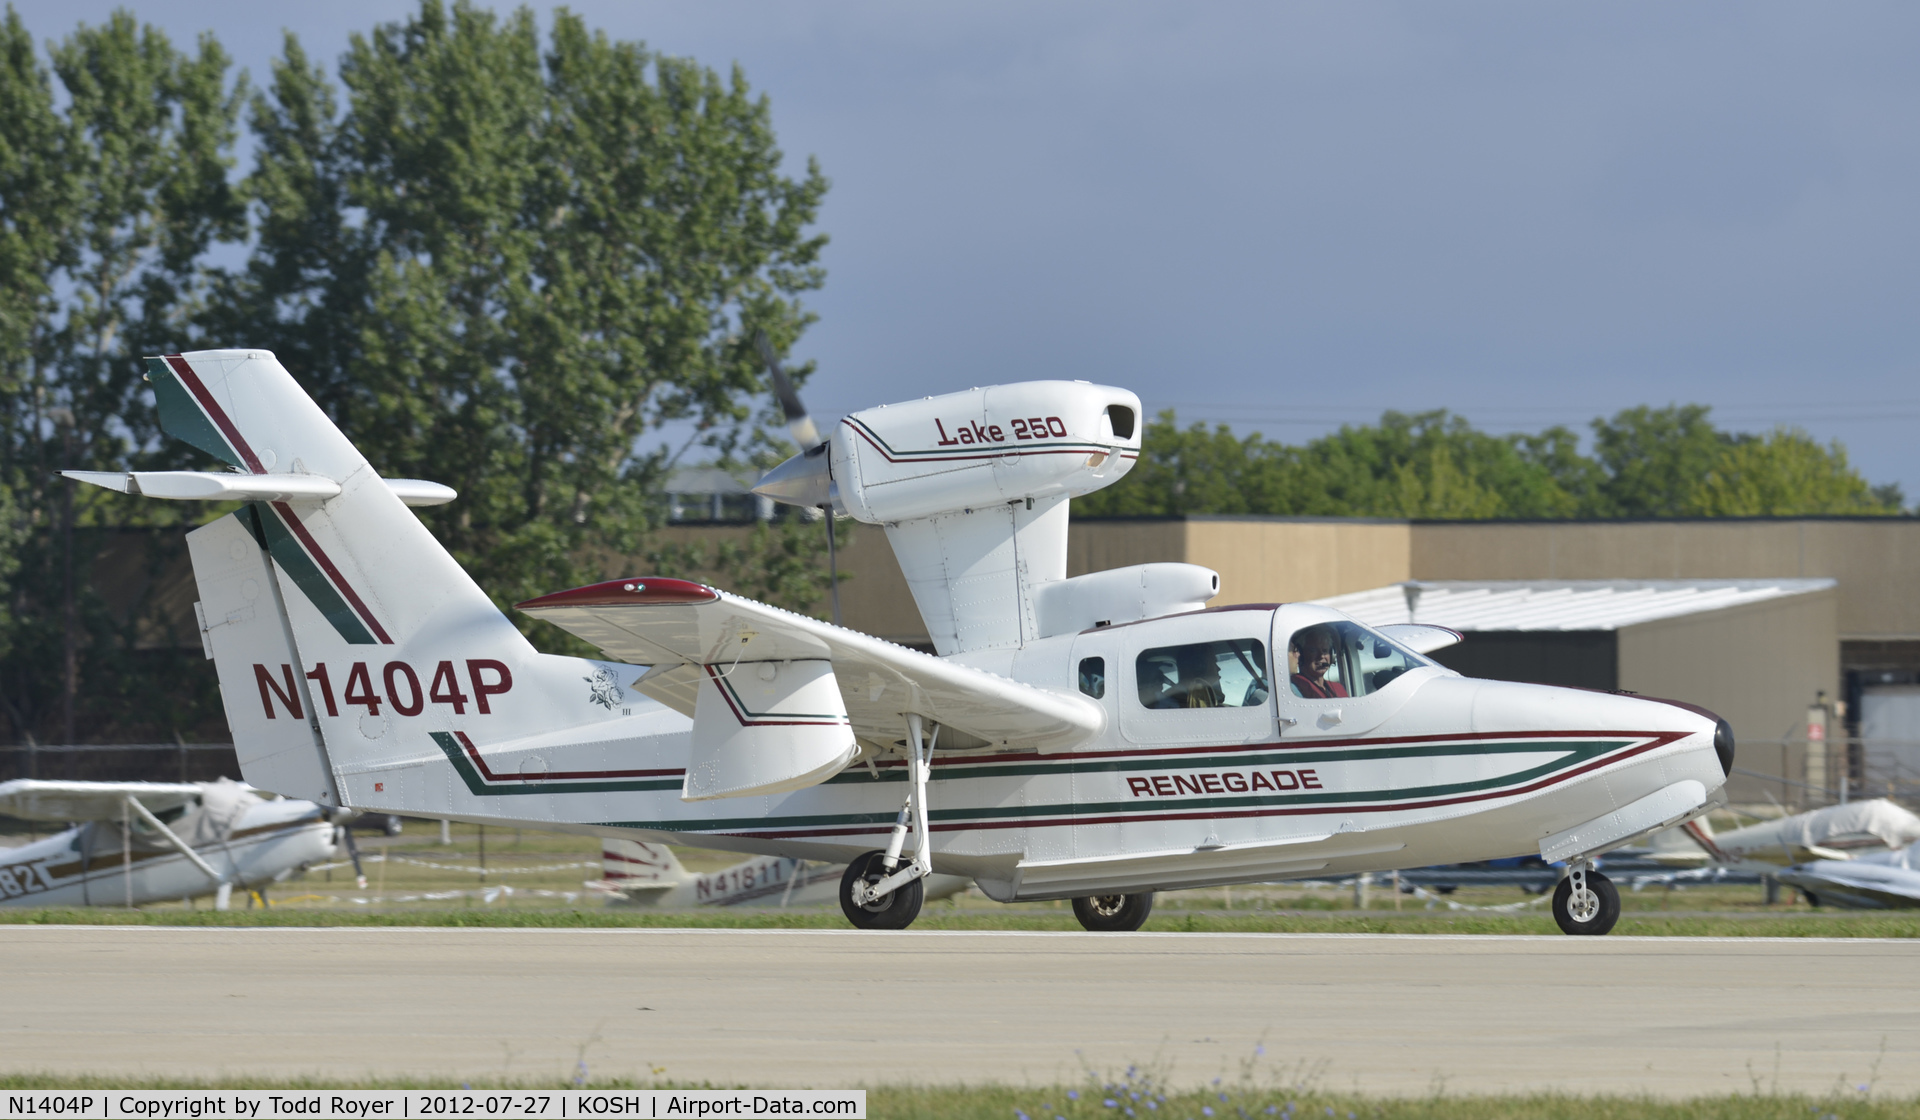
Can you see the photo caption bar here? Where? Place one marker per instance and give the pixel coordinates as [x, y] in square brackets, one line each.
[411, 1104]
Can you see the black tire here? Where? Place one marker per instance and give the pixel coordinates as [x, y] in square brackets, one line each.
[1813, 900]
[1113, 913]
[895, 911]
[1605, 913]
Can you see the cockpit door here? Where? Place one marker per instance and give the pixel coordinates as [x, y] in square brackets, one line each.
[1339, 679]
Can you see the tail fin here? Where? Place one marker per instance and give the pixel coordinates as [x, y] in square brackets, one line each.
[1700, 832]
[362, 651]
[365, 569]
[636, 864]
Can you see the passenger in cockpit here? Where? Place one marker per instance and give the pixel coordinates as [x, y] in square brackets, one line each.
[1199, 680]
[1309, 657]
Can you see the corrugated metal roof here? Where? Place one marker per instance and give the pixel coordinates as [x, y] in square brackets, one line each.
[1574, 604]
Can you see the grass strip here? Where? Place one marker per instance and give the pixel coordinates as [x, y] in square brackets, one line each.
[1648, 924]
[1110, 1102]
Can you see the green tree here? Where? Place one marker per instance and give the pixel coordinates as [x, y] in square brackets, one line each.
[1655, 460]
[1783, 473]
[1195, 470]
[109, 200]
[1428, 464]
[499, 266]
[1648, 462]
[780, 562]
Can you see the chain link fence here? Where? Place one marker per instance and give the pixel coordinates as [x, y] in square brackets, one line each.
[120, 762]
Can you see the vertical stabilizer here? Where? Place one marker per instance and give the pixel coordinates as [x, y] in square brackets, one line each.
[637, 863]
[359, 664]
[244, 630]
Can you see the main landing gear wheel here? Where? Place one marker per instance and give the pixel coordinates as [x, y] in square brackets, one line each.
[893, 911]
[1585, 903]
[1113, 913]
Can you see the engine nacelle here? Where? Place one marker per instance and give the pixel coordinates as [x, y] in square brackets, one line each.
[983, 447]
[973, 490]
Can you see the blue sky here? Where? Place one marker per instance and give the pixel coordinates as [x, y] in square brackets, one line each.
[1289, 216]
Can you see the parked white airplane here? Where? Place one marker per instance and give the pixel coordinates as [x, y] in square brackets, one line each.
[1095, 738]
[640, 873]
[1859, 855]
[1835, 832]
[142, 842]
[1875, 881]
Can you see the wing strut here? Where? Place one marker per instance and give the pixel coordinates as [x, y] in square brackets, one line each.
[916, 807]
[179, 845]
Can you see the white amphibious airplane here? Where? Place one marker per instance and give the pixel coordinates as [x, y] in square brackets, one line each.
[1095, 738]
[639, 873]
[141, 842]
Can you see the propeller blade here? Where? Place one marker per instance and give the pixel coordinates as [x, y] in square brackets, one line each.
[805, 478]
[798, 422]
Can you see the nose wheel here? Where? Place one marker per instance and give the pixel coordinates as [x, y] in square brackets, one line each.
[1585, 903]
[1113, 913]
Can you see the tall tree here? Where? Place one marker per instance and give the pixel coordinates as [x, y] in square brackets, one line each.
[1647, 462]
[1786, 472]
[499, 266]
[1655, 460]
[109, 200]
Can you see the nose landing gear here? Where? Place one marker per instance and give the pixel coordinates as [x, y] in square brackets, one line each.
[1113, 913]
[1585, 903]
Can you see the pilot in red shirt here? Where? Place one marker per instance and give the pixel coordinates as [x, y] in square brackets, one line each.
[1309, 656]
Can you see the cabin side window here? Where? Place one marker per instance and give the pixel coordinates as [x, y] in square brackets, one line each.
[1093, 676]
[1343, 659]
[1229, 674]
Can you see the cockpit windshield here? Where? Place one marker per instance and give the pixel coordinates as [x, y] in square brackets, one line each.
[1341, 659]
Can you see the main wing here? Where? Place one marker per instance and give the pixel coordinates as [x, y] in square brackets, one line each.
[683, 629]
[34, 800]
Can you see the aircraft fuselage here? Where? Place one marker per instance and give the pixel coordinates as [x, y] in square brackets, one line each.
[1422, 767]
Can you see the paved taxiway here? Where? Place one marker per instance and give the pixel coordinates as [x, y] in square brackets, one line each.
[788, 1009]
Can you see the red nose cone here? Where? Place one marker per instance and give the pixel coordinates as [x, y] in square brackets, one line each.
[640, 592]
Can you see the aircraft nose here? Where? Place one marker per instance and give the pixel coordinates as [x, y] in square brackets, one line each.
[1723, 746]
[1722, 731]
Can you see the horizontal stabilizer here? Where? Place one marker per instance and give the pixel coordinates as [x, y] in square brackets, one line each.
[226, 486]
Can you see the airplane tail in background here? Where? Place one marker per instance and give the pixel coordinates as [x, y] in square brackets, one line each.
[635, 864]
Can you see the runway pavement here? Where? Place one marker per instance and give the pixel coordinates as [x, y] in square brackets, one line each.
[1387, 1014]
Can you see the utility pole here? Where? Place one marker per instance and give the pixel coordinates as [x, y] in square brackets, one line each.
[70, 654]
